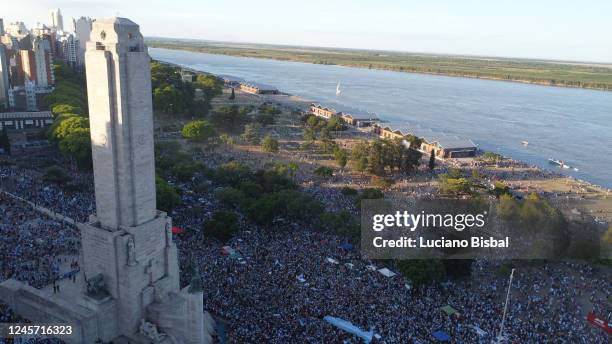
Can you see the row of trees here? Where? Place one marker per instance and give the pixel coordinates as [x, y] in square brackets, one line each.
[173, 96]
[381, 156]
[68, 103]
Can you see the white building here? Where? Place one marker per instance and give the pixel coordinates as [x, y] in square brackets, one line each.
[44, 62]
[57, 21]
[23, 98]
[82, 29]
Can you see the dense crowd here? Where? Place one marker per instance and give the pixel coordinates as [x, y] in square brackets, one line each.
[281, 284]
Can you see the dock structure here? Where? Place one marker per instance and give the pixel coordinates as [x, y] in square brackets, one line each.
[444, 146]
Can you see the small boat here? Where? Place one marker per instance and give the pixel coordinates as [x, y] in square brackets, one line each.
[558, 163]
[525, 143]
[338, 90]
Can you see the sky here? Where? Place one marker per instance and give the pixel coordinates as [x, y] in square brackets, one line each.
[560, 29]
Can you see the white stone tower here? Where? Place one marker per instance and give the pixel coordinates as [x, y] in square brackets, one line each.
[128, 258]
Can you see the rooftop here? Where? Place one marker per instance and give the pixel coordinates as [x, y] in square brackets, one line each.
[25, 115]
[443, 139]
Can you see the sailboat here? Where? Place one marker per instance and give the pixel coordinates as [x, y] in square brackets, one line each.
[338, 90]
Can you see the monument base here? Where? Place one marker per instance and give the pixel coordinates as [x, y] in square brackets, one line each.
[128, 287]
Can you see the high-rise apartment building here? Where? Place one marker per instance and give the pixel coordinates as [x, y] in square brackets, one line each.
[57, 21]
[27, 65]
[4, 77]
[82, 30]
[69, 48]
[44, 63]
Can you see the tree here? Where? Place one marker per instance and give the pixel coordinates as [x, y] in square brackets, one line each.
[269, 144]
[325, 135]
[361, 165]
[607, 237]
[67, 125]
[309, 135]
[341, 157]
[230, 119]
[167, 197]
[5, 143]
[231, 197]
[57, 176]
[422, 272]
[168, 99]
[507, 208]
[209, 84]
[199, 130]
[324, 171]
[432, 160]
[335, 124]
[500, 188]
[341, 223]
[77, 144]
[59, 109]
[222, 225]
[233, 95]
[251, 133]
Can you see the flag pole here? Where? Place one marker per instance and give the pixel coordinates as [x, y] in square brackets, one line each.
[501, 328]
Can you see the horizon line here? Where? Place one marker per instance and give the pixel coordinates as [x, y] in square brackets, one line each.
[605, 64]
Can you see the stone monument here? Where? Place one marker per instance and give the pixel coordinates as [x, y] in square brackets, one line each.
[129, 263]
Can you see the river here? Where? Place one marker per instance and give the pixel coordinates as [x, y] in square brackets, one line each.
[569, 124]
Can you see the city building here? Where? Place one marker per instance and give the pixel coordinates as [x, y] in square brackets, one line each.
[27, 65]
[14, 121]
[358, 118]
[387, 132]
[69, 47]
[17, 29]
[1, 27]
[57, 20]
[41, 29]
[25, 127]
[447, 146]
[323, 111]
[257, 88]
[231, 81]
[4, 77]
[44, 62]
[128, 288]
[82, 29]
[443, 145]
[187, 76]
[24, 98]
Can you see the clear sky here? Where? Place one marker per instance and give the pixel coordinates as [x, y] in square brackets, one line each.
[552, 29]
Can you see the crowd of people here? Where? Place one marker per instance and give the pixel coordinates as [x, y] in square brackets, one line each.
[281, 284]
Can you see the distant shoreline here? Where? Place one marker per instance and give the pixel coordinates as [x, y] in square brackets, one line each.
[474, 68]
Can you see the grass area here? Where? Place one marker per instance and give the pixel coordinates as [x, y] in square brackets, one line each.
[553, 73]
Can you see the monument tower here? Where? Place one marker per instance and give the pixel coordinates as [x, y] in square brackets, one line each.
[129, 263]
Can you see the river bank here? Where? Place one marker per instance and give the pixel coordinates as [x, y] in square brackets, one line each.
[577, 198]
[536, 72]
